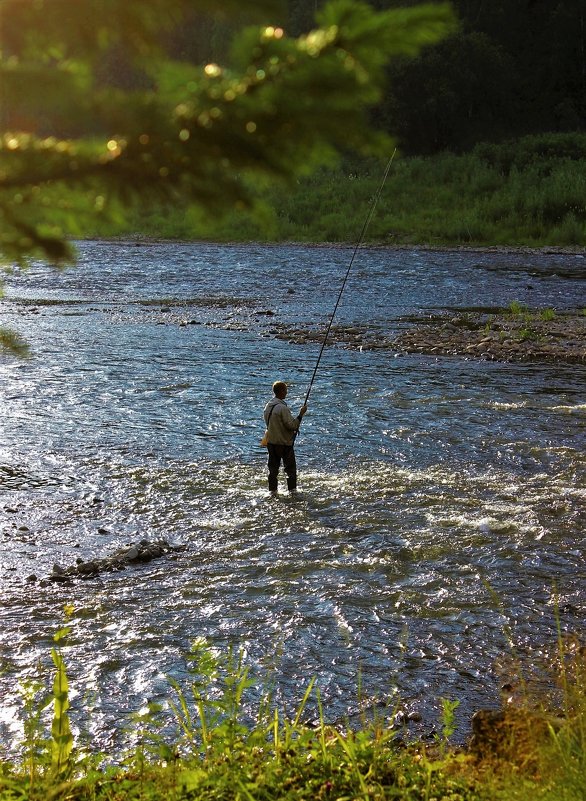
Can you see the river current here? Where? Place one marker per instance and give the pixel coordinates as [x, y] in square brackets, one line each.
[441, 518]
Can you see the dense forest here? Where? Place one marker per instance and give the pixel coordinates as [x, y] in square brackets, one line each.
[488, 105]
[514, 67]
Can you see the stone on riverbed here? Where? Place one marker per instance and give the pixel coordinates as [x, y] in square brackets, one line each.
[497, 335]
[142, 551]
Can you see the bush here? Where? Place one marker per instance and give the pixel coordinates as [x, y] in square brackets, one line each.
[529, 192]
[529, 150]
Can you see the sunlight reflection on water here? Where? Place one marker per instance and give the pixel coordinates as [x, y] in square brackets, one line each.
[440, 501]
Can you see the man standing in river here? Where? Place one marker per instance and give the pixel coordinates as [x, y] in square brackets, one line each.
[281, 428]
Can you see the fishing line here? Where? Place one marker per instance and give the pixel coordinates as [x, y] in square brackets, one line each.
[369, 217]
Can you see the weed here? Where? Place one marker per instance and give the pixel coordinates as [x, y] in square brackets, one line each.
[517, 308]
[35, 700]
[221, 751]
[448, 718]
[527, 334]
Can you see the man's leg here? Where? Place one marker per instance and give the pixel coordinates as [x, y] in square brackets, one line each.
[290, 466]
[274, 464]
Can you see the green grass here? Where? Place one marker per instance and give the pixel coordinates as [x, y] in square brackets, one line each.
[530, 192]
[220, 751]
[517, 308]
[548, 315]
[528, 316]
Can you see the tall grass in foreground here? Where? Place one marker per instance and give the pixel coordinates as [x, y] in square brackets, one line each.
[529, 192]
[223, 750]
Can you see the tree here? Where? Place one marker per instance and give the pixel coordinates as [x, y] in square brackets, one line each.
[451, 96]
[71, 145]
[515, 67]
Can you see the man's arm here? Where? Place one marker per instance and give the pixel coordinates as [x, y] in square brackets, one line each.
[292, 422]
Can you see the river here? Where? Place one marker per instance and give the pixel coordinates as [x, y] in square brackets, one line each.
[441, 518]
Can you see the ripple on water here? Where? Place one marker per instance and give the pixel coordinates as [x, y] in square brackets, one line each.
[440, 501]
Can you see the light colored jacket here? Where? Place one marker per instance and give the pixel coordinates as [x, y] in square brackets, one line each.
[281, 425]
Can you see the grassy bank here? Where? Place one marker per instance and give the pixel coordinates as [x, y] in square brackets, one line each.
[532, 750]
[531, 192]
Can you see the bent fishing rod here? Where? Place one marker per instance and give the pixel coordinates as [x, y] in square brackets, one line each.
[367, 221]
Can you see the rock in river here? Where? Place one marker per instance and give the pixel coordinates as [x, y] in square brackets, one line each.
[142, 551]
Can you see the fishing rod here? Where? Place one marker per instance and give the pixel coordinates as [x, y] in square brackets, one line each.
[358, 244]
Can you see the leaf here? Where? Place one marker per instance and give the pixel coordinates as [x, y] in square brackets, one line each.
[186, 135]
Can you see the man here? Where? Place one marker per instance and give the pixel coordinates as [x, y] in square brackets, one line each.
[281, 428]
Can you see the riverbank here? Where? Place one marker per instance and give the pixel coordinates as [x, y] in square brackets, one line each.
[144, 240]
[523, 751]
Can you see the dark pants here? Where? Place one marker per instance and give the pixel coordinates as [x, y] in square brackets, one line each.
[286, 454]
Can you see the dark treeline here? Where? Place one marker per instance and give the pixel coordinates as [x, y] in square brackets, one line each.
[515, 67]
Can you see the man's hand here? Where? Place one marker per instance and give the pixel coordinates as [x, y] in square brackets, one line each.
[303, 410]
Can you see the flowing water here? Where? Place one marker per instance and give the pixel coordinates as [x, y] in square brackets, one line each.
[443, 500]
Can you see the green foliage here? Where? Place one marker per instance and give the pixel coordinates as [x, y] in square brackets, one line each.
[446, 200]
[223, 752]
[517, 308]
[217, 722]
[35, 700]
[448, 718]
[548, 315]
[11, 342]
[188, 134]
[526, 334]
[524, 152]
[443, 200]
[62, 738]
[150, 746]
